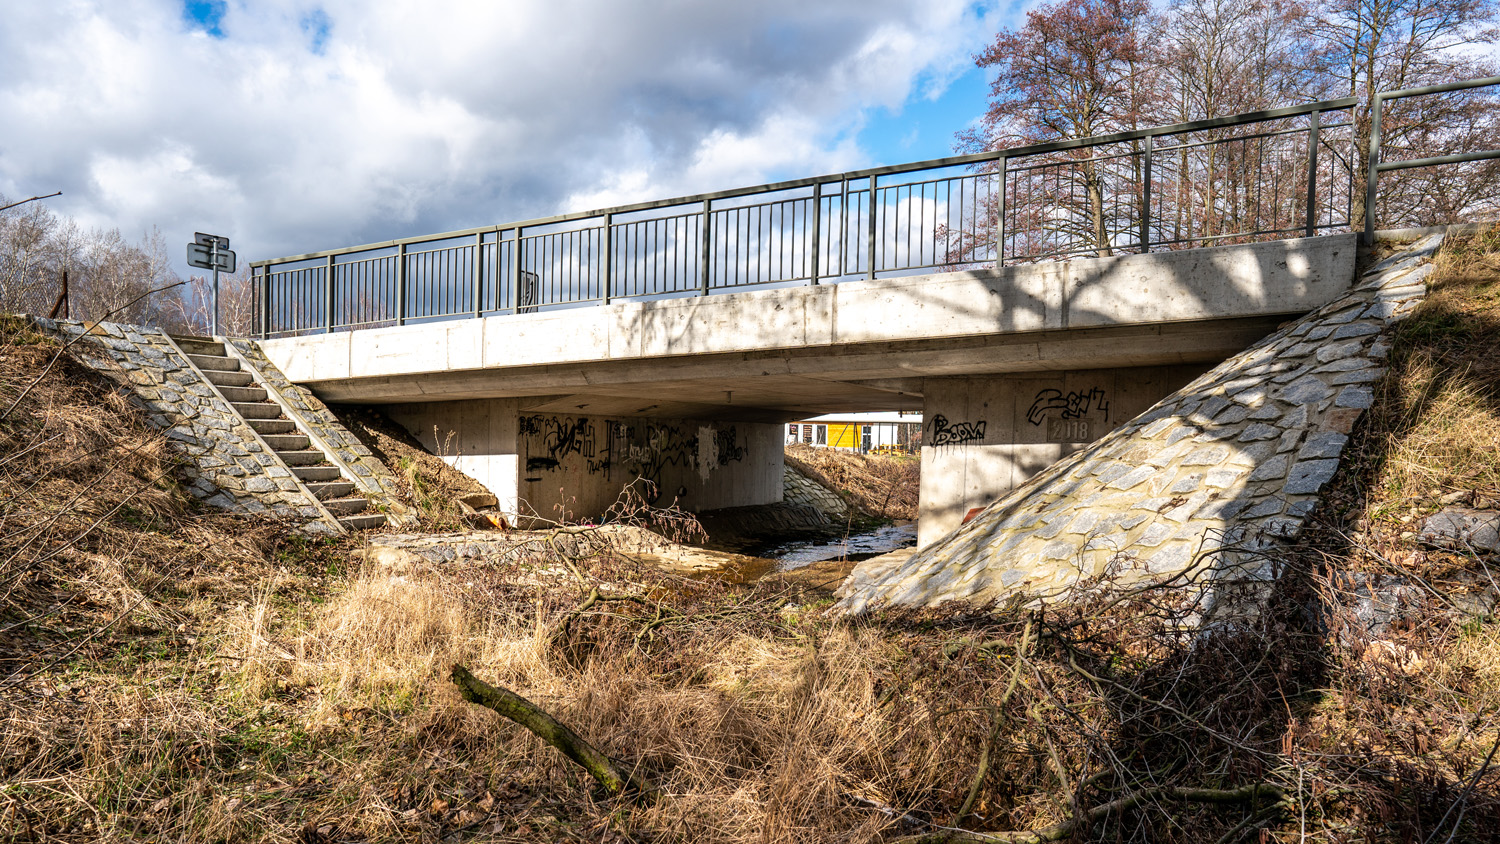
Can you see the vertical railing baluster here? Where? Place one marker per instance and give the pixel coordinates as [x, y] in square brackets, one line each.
[1000, 217]
[606, 260]
[1146, 197]
[817, 226]
[478, 267]
[1313, 131]
[401, 284]
[515, 273]
[328, 296]
[1372, 173]
[844, 226]
[870, 231]
[707, 239]
[265, 301]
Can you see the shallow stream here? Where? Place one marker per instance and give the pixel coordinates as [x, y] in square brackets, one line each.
[855, 547]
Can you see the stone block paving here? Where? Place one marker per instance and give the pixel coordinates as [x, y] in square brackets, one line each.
[226, 464]
[1221, 470]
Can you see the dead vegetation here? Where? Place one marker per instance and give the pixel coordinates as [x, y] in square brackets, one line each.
[883, 486]
[430, 486]
[167, 679]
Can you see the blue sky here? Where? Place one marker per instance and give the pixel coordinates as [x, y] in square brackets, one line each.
[297, 125]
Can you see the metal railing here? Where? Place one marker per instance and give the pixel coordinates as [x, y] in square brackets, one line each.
[1376, 166]
[1268, 174]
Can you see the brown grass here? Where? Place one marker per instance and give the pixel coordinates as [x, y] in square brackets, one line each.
[260, 692]
[883, 486]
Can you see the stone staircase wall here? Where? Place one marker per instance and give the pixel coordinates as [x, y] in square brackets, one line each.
[228, 463]
[1216, 473]
[369, 475]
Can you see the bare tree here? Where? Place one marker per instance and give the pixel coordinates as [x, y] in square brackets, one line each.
[192, 312]
[1381, 45]
[1075, 69]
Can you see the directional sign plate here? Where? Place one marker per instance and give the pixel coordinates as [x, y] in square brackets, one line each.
[202, 257]
[210, 239]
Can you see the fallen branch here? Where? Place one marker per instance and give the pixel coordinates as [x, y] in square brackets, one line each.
[1256, 794]
[554, 732]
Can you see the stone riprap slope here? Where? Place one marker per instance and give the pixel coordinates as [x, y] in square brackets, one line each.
[800, 490]
[1216, 472]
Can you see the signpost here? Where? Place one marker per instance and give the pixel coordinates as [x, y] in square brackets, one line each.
[211, 252]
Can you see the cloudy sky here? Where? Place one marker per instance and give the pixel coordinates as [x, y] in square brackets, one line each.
[297, 125]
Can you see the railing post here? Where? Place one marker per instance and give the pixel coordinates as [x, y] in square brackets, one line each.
[265, 301]
[870, 231]
[1372, 172]
[478, 271]
[606, 261]
[844, 226]
[516, 283]
[1000, 216]
[328, 296]
[401, 284]
[706, 264]
[1146, 197]
[817, 229]
[1314, 129]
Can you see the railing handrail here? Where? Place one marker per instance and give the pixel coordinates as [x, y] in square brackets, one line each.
[1374, 164]
[851, 175]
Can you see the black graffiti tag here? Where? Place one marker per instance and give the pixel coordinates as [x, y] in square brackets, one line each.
[1074, 405]
[955, 433]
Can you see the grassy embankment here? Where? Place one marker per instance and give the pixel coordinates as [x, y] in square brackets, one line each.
[171, 674]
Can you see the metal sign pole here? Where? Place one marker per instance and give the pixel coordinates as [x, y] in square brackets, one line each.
[214, 332]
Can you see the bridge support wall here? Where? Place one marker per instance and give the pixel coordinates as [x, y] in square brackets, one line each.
[984, 435]
[551, 465]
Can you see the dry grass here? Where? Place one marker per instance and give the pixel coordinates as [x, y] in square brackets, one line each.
[884, 486]
[250, 696]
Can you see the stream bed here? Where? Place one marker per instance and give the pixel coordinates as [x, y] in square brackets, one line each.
[860, 546]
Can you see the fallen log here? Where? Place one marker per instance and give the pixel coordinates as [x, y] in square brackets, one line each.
[615, 779]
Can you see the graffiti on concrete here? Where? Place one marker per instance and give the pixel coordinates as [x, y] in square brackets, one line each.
[955, 433]
[1074, 405]
[644, 448]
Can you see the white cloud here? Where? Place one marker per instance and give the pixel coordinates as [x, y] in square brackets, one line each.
[418, 117]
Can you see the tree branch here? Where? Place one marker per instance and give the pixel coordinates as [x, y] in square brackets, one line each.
[522, 711]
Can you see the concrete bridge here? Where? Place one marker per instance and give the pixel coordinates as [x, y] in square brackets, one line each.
[1012, 367]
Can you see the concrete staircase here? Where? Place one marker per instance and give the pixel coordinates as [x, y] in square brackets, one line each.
[321, 476]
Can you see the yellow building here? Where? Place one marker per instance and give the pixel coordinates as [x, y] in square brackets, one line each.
[862, 432]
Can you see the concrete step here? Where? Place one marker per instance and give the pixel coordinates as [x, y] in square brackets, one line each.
[325, 490]
[364, 521]
[243, 394]
[347, 506]
[287, 442]
[256, 409]
[302, 458]
[215, 363]
[272, 426]
[229, 379]
[199, 346]
[308, 474]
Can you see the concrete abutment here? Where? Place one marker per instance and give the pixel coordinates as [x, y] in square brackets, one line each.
[577, 466]
[985, 435]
